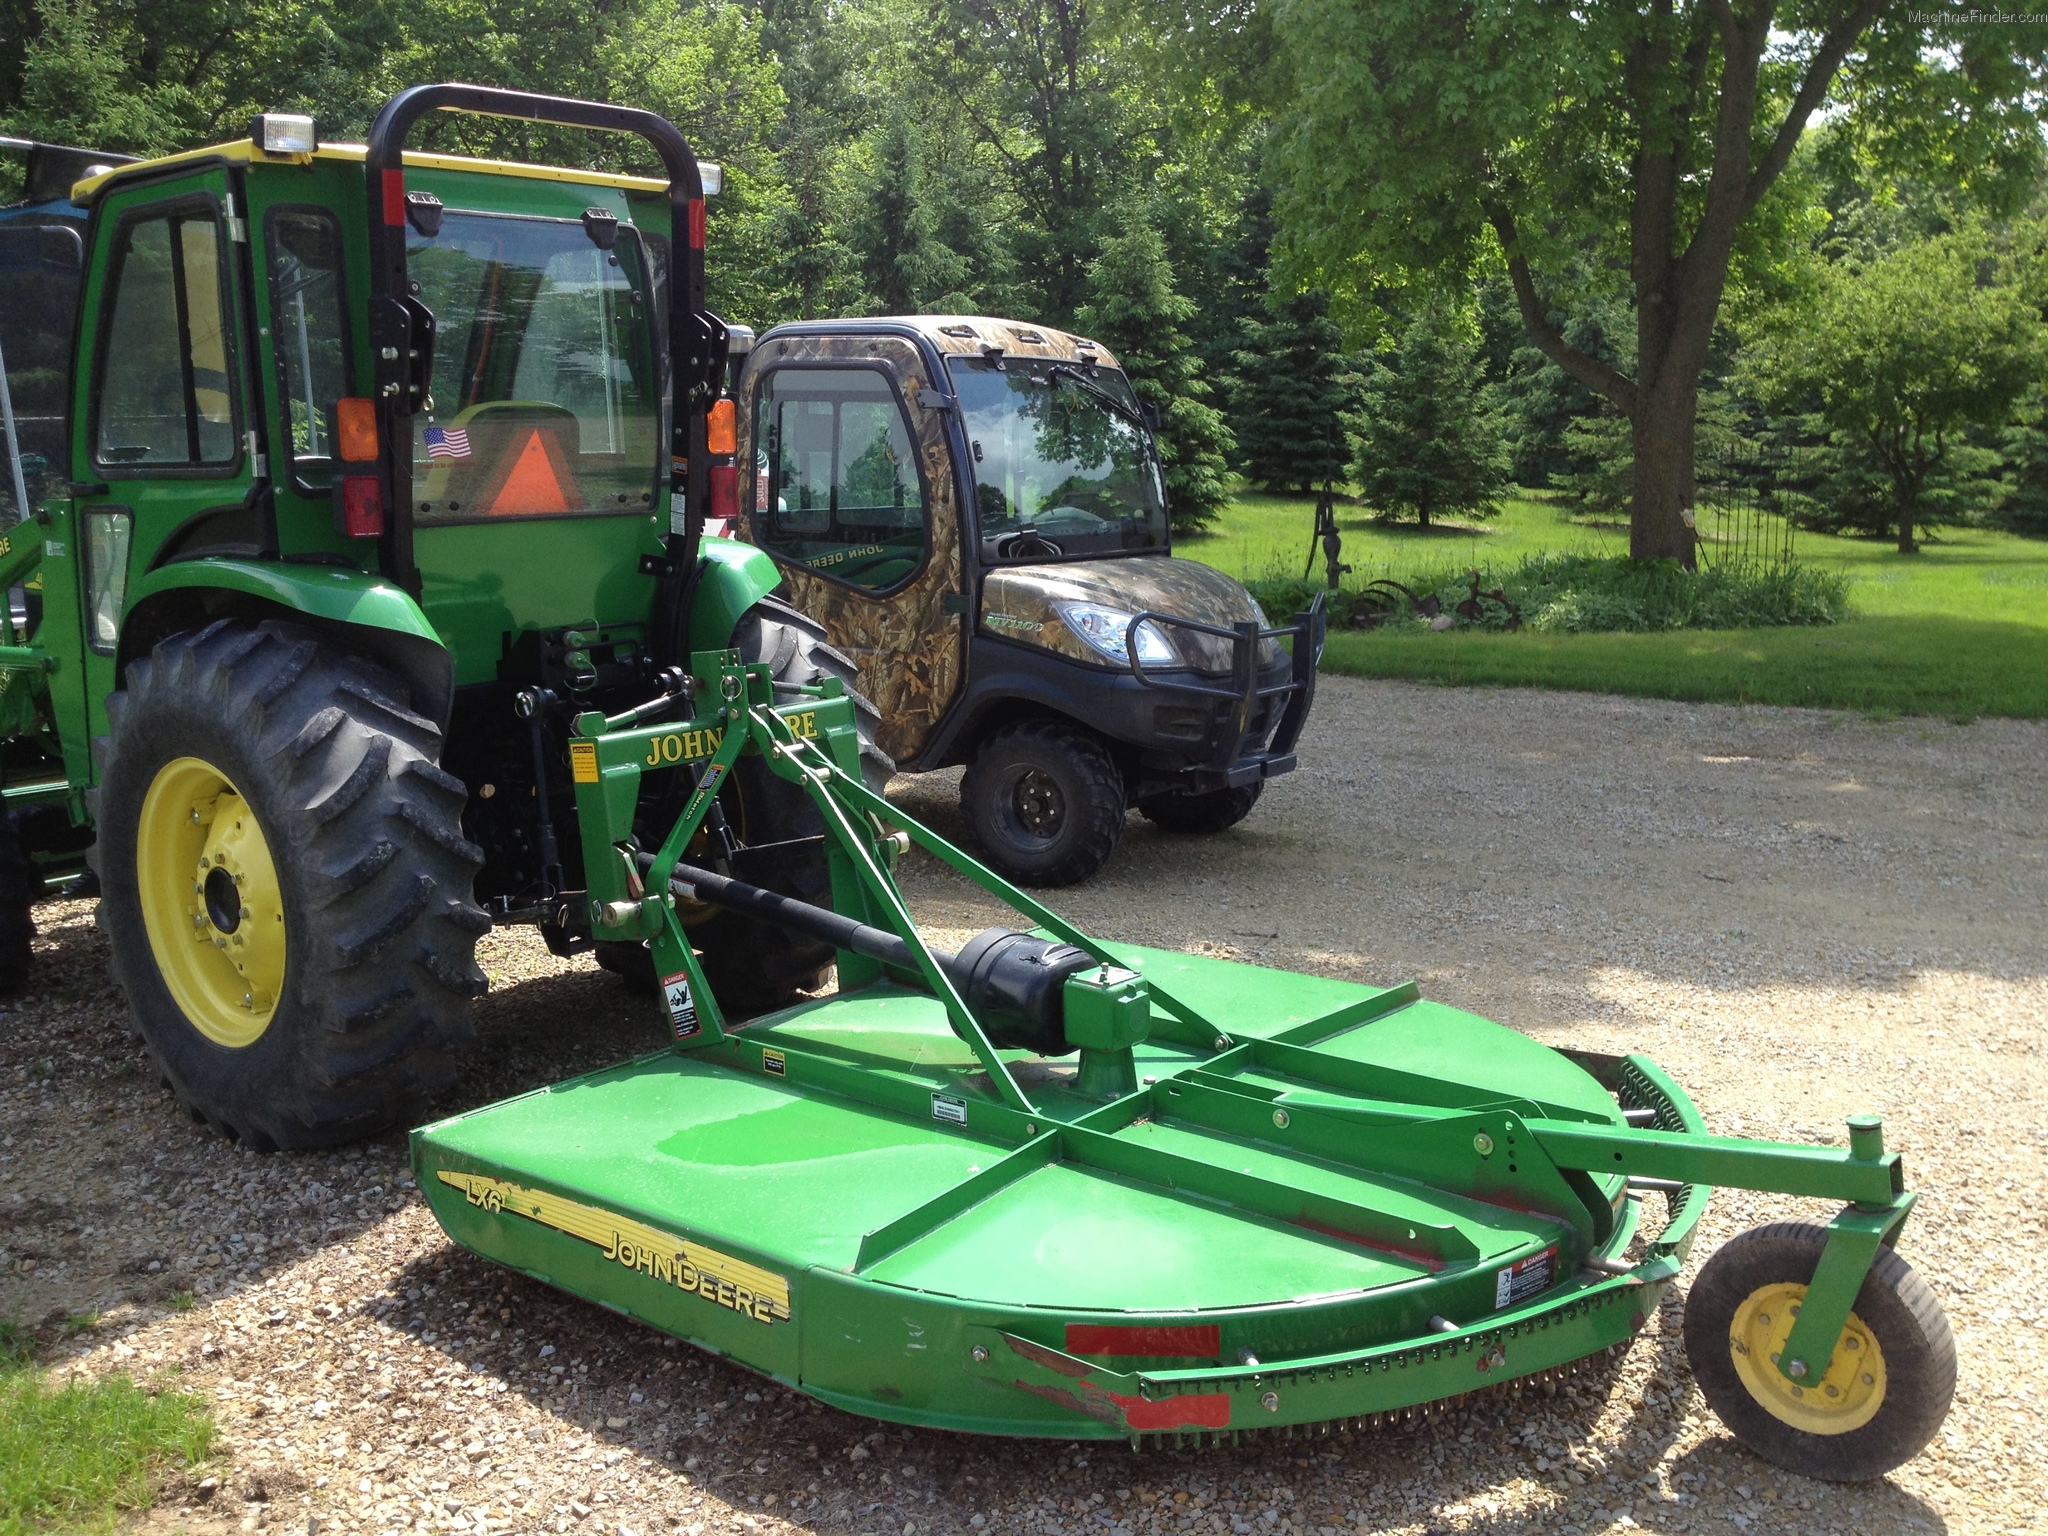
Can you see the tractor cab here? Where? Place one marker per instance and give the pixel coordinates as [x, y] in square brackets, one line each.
[974, 509]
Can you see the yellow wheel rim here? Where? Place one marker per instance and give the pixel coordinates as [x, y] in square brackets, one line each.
[210, 902]
[1846, 1398]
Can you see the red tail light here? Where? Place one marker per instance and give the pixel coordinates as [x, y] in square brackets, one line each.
[362, 506]
[725, 492]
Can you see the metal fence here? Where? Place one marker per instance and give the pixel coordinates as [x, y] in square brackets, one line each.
[1746, 508]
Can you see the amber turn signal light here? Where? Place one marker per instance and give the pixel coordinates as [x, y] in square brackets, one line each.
[356, 430]
[721, 428]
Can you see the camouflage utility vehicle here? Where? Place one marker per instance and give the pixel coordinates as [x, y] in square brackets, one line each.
[973, 509]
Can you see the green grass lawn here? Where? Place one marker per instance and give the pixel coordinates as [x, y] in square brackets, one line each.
[1960, 629]
[73, 1458]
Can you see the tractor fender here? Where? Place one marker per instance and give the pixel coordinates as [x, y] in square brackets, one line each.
[736, 576]
[360, 612]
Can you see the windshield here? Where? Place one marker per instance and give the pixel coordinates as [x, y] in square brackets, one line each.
[1058, 469]
[545, 400]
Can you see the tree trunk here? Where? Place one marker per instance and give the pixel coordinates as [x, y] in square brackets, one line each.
[1661, 499]
[1909, 505]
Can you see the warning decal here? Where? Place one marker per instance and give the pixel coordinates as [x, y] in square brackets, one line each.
[1525, 1278]
[951, 1110]
[774, 1063]
[583, 762]
[682, 1008]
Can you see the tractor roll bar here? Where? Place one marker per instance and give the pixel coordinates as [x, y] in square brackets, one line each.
[402, 328]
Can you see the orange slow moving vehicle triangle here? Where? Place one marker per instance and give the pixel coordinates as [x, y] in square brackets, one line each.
[536, 480]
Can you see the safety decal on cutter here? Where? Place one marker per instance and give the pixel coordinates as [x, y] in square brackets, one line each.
[951, 1110]
[682, 1008]
[1525, 1278]
[583, 762]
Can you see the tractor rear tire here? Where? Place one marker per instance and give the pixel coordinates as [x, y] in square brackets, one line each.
[1201, 815]
[285, 885]
[19, 887]
[1881, 1398]
[755, 967]
[1045, 801]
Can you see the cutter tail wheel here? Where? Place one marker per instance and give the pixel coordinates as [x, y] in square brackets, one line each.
[286, 887]
[1886, 1388]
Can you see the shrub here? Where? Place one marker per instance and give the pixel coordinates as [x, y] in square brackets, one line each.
[1584, 594]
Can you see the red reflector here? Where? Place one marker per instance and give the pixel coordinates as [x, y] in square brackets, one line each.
[1197, 1341]
[394, 198]
[725, 492]
[362, 506]
[696, 223]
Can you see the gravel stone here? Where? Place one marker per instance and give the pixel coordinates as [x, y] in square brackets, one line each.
[1800, 914]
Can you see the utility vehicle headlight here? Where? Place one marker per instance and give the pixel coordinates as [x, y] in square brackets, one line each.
[1107, 629]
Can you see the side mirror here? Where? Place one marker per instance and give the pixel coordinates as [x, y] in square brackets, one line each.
[1150, 412]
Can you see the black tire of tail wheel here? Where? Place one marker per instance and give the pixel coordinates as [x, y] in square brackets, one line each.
[375, 876]
[754, 967]
[19, 887]
[1201, 815]
[1897, 1307]
[1079, 787]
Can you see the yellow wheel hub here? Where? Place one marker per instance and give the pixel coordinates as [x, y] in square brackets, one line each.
[210, 902]
[1846, 1398]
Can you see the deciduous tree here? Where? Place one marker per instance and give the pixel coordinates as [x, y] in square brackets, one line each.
[1643, 137]
[1902, 355]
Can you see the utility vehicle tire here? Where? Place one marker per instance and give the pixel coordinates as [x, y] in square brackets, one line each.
[1201, 815]
[1045, 802]
[285, 885]
[755, 967]
[1883, 1396]
[19, 887]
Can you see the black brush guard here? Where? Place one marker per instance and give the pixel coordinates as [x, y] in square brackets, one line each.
[1226, 748]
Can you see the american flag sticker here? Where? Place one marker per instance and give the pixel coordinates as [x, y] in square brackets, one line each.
[447, 443]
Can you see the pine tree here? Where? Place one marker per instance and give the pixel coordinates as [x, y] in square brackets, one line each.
[1291, 394]
[1135, 311]
[908, 266]
[1428, 440]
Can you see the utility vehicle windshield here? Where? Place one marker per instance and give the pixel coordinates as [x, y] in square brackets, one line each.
[545, 398]
[1062, 464]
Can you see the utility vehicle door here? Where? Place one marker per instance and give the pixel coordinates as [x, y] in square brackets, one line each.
[536, 469]
[853, 495]
[163, 440]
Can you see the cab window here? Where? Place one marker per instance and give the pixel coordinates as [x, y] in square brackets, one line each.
[836, 484]
[165, 388]
[309, 332]
[545, 399]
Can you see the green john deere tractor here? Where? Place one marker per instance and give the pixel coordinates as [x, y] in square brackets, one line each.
[378, 609]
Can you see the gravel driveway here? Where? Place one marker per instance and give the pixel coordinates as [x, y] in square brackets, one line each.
[1799, 914]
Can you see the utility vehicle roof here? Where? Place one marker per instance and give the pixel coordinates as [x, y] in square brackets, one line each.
[966, 334]
[245, 152]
